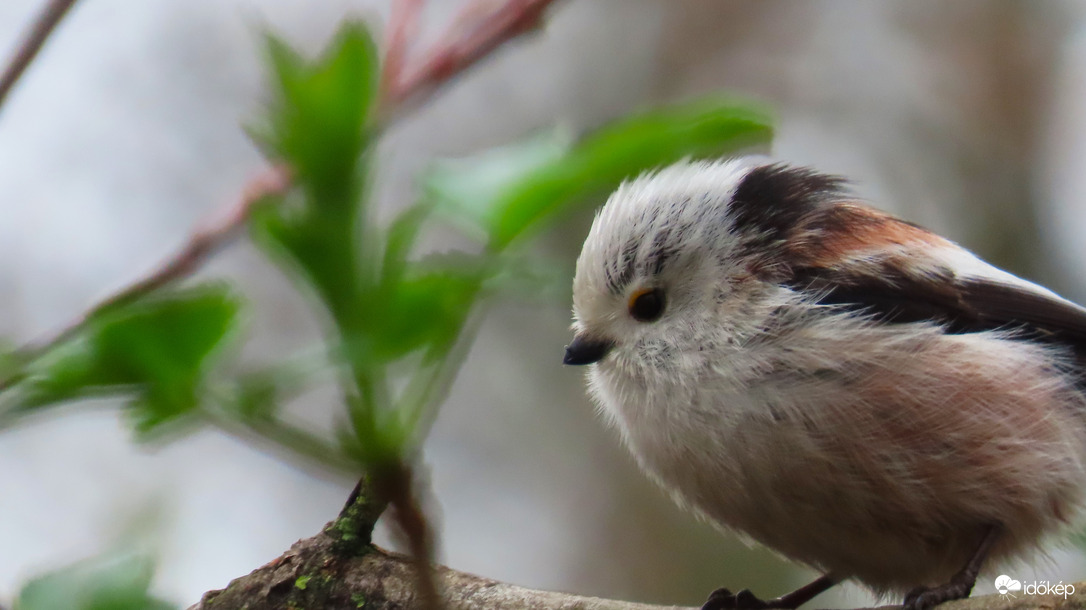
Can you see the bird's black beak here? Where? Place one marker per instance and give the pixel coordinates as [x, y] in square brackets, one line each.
[586, 350]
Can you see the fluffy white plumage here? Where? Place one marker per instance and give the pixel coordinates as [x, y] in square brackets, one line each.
[857, 393]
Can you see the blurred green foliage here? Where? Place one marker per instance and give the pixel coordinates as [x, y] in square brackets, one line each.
[515, 189]
[157, 350]
[394, 318]
[382, 301]
[111, 582]
[319, 119]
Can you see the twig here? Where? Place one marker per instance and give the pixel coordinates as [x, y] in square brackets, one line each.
[474, 34]
[382, 579]
[47, 21]
[403, 27]
[395, 483]
[204, 242]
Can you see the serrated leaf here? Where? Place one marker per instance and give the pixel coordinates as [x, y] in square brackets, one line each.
[157, 348]
[118, 582]
[320, 125]
[318, 250]
[320, 114]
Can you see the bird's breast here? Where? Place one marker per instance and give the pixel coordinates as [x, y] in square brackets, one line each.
[914, 446]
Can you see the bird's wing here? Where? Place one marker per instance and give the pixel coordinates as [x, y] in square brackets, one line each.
[902, 273]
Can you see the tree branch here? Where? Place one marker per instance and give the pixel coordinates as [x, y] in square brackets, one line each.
[313, 575]
[46, 23]
[201, 245]
[474, 34]
[340, 569]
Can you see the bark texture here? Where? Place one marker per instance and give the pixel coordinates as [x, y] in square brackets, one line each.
[324, 573]
[312, 575]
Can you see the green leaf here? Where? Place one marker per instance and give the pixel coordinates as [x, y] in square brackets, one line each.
[320, 124]
[515, 191]
[426, 307]
[319, 250]
[158, 349]
[117, 582]
[468, 189]
[320, 113]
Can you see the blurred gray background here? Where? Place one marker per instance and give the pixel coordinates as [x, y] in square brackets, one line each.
[966, 117]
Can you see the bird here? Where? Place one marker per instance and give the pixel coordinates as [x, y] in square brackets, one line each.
[849, 389]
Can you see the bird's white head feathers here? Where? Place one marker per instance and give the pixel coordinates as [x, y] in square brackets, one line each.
[651, 229]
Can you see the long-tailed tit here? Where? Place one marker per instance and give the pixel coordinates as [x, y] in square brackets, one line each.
[851, 390]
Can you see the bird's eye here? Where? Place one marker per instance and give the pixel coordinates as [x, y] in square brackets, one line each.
[647, 304]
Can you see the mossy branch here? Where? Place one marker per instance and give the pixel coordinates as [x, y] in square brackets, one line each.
[315, 573]
[340, 569]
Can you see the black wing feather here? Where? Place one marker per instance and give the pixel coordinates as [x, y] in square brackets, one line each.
[961, 305]
[1011, 305]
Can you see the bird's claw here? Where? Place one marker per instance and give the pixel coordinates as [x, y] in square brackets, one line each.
[724, 599]
[925, 598]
